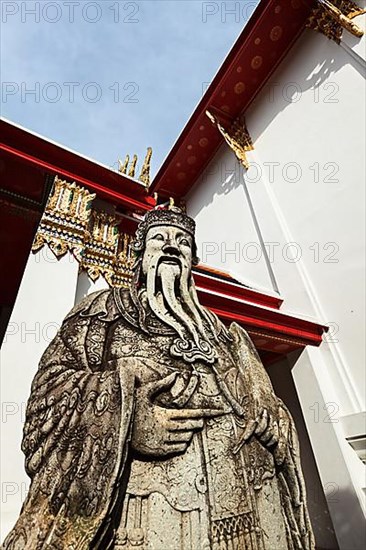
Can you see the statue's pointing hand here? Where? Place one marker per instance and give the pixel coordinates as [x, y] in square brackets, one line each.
[158, 431]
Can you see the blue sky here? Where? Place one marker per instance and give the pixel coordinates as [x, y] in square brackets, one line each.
[113, 77]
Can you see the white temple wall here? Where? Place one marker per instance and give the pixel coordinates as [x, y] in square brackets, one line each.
[318, 184]
[282, 379]
[317, 143]
[303, 198]
[340, 469]
[226, 233]
[46, 295]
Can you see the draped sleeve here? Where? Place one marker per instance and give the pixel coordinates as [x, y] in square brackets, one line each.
[284, 462]
[76, 435]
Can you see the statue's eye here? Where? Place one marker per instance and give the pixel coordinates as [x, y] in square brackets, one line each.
[184, 242]
[158, 237]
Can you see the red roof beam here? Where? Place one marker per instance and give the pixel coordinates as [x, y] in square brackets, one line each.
[103, 192]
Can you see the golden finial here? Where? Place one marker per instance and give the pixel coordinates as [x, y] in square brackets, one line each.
[132, 169]
[123, 167]
[145, 171]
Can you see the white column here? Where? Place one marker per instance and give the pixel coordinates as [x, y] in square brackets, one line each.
[45, 296]
[340, 470]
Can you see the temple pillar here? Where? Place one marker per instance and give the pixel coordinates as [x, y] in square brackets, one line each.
[340, 469]
[45, 296]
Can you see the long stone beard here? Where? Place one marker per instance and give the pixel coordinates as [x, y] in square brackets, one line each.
[171, 296]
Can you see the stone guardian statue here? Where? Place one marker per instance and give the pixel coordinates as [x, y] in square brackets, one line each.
[152, 426]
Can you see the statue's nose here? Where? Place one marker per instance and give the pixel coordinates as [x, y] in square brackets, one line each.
[171, 249]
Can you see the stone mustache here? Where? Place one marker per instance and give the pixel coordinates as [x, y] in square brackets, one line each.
[151, 426]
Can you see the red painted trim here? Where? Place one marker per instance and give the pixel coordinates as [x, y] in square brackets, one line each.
[306, 336]
[232, 302]
[264, 318]
[236, 291]
[115, 196]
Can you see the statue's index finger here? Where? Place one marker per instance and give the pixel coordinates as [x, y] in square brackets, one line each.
[186, 414]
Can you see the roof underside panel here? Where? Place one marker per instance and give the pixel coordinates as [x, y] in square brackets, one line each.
[268, 36]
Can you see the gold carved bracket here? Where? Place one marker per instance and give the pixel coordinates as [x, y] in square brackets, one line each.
[100, 246]
[236, 136]
[331, 18]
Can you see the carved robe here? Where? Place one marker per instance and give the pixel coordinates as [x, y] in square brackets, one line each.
[88, 488]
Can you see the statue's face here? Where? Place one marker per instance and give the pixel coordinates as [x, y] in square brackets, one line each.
[166, 245]
[167, 287]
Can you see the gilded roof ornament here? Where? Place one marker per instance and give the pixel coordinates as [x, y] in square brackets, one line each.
[330, 18]
[130, 168]
[71, 224]
[123, 165]
[64, 224]
[236, 136]
[145, 170]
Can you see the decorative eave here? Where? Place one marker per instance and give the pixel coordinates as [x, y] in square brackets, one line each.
[275, 333]
[53, 159]
[219, 282]
[267, 37]
[278, 326]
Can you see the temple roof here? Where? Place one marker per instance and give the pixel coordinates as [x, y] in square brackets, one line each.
[266, 39]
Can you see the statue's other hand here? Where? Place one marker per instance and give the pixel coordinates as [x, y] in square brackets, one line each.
[266, 429]
[158, 431]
